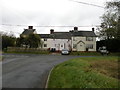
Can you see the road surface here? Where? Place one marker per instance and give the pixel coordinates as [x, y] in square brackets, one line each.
[28, 71]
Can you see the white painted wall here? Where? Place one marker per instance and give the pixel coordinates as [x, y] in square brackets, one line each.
[59, 44]
[62, 44]
[49, 43]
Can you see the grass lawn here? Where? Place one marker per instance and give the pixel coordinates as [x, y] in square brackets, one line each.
[93, 53]
[86, 72]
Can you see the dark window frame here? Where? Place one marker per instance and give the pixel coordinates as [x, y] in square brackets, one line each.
[45, 45]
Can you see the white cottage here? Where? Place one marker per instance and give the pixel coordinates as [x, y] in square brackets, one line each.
[75, 40]
[57, 40]
[83, 40]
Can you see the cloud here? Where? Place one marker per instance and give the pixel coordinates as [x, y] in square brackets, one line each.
[49, 12]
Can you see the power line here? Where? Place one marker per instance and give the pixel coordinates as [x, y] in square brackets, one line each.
[50, 25]
[87, 3]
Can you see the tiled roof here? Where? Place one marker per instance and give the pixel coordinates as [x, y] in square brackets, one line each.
[44, 35]
[84, 33]
[28, 31]
[62, 35]
[57, 35]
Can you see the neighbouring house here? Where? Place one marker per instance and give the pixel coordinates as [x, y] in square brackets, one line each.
[75, 40]
[57, 40]
[28, 31]
[83, 40]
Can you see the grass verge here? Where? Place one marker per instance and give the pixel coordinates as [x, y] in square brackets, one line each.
[86, 72]
[93, 53]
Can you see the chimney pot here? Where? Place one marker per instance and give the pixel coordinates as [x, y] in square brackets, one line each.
[51, 31]
[76, 28]
[30, 27]
[93, 29]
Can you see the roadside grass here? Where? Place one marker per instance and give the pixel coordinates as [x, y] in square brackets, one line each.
[93, 53]
[85, 53]
[86, 72]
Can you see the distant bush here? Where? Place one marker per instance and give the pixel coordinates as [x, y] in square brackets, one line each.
[8, 41]
[113, 45]
[85, 53]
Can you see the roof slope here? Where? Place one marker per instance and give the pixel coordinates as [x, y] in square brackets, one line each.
[57, 35]
[62, 35]
[68, 35]
[84, 33]
[44, 35]
[28, 31]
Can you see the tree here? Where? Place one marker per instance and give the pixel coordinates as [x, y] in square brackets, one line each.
[110, 26]
[8, 40]
[31, 41]
[21, 41]
[34, 40]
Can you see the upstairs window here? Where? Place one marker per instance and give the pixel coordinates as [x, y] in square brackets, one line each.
[89, 38]
[45, 45]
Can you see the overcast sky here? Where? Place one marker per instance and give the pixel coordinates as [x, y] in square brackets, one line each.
[50, 13]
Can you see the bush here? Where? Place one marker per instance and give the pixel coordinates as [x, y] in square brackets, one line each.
[113, 45]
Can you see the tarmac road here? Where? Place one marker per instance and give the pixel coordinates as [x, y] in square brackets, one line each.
[28, 71]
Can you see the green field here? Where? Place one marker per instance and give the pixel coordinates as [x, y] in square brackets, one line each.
[86, 72]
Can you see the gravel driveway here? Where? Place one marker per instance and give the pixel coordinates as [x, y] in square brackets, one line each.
[28, 71]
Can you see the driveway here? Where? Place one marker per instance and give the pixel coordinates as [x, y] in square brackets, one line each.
[28, 71]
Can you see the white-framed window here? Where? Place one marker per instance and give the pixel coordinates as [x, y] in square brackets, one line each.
[89, 38]
[89, 46]
[74, 46]
[55, 45]
[45, 45]
[73, 38]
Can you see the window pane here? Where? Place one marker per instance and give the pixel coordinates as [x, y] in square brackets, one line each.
[45, 45]
[90, 46]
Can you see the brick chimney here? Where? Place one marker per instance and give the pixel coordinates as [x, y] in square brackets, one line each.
[93, 29]
[51, 31]
[30, 27]
[75, 28]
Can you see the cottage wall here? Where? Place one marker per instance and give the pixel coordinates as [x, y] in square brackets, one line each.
[81, 44]
[58, 44]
